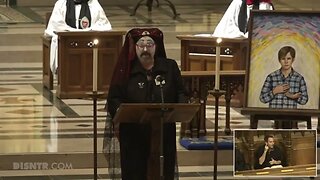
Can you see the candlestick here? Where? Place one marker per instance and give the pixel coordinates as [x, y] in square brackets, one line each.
[217, 75]
[95, 66]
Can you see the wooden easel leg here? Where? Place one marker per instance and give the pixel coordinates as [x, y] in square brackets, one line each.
[277, 124]
[253, 122]
[294, 124]
[318, 128]
[286, 124]
[309, 125]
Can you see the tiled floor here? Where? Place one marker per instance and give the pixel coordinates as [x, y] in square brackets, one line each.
[36, 126]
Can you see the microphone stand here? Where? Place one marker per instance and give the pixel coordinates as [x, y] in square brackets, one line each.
[163, 110]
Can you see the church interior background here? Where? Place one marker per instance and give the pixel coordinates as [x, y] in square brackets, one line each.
[38, 127]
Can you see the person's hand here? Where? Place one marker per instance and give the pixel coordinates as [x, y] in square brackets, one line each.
[266, 148]
[272, 162]
[282, 88]
[293, 96]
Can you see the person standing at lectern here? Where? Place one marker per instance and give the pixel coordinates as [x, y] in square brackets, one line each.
[141, 61]
[235, 20]
[74, 15]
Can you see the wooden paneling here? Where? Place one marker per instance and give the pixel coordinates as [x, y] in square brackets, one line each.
[75, 62]
[303, 150]
[198, 53]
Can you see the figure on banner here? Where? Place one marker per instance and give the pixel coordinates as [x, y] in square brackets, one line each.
[74, 15]
[142, 64]
[234, 22]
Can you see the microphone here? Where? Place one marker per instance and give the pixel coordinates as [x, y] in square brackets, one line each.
[159, 80]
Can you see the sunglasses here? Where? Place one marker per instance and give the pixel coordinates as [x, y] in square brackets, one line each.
[148, 45]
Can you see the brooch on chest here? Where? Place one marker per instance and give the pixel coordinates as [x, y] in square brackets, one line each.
[141, 85]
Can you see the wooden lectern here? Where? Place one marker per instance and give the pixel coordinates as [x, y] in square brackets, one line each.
[152, 113]
[75, 61]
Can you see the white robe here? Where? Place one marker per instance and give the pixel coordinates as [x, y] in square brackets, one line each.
[228, 26]
[99, 22]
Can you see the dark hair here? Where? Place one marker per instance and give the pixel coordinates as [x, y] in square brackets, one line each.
[285, 50]
[266, 137]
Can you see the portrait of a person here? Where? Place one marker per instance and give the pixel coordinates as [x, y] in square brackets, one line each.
[269, 154]
[285, 87]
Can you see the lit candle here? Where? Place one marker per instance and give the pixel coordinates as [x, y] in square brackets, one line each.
[217, 77]
[95, 66]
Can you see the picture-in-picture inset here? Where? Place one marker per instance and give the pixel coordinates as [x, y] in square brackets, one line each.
[275, 153]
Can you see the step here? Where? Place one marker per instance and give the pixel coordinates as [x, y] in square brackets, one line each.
[21, 36]
[21, 53]
[33, 53]
[185, 173]
[85, 159]
[32, 36]
[21, 39]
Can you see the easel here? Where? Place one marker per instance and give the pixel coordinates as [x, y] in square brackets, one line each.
[257, 114]
[149, 4]
[152, 113]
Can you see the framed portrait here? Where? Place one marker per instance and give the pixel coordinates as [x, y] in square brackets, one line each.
[283, 69]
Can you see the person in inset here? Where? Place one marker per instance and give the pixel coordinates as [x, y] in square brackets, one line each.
[74, 15]
[234, 22]
[269, 154]
[141, 61]
[285, 87]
